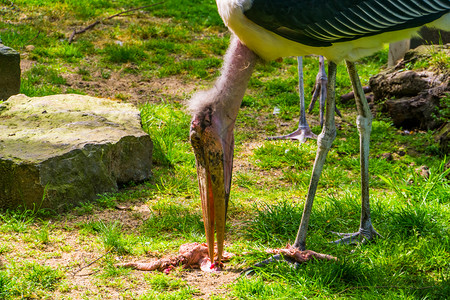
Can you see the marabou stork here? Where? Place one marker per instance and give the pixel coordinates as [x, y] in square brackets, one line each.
[271, 29]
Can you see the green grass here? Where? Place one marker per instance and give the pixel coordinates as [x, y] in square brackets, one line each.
[111, 236]
[117, 53]
[165, 283]
[28, 280]
[17, 220]
[157, 57]
[173, 219]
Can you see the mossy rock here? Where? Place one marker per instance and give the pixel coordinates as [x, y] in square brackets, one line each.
[61, 150]
[9, 72]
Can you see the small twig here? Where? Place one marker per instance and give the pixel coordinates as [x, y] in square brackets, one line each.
[32, 39]
[88, 274]
[75, 32]
[91, 263]
[133, 9]
[72, 36]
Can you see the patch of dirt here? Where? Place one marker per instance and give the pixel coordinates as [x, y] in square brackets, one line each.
[122, 85]
[26, 64]
[83, 259]
[210, 283]
[132, 88]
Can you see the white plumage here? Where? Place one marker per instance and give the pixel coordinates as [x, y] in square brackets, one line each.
[270, 46]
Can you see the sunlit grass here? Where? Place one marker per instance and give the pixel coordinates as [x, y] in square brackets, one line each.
[28, 280]
[172, 219]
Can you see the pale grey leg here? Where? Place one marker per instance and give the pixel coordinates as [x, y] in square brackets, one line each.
[320, 91]
[303, 131]
[324, 142]
[364, 122]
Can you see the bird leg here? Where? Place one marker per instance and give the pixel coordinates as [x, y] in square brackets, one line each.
[364, 122]
[320, 90]
[324, 142]
[303, 131]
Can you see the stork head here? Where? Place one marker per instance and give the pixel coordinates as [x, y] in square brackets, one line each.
[213, 143]
[213, 117]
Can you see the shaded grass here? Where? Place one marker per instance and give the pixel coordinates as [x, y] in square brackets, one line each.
[274, 224]
[118, 53]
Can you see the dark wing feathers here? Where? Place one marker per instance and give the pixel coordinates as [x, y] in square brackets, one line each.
[320, 23]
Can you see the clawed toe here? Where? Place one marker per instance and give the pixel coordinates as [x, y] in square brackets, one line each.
[362, 236]
[291, 255]
[349, 238]
[301, 134]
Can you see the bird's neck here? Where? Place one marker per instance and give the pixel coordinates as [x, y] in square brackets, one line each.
[230, 87]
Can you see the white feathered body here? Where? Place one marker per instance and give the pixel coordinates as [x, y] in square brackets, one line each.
[270, 46]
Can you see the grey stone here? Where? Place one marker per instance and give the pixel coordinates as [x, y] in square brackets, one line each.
[399, 84]
[412, 99]
[61, 150]
[9, 72]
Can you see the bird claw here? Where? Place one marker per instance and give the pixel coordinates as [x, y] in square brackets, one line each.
[301, 134]
[292, 255]
[362, 236]
[349, 238]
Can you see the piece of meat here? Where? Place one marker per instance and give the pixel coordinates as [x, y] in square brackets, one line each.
[193, 256]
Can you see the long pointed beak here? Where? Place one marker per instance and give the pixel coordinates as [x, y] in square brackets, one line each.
[214, 155]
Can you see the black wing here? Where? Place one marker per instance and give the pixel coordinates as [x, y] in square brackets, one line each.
[320, 23]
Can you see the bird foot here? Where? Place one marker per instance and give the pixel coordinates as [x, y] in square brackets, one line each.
[291, 255]
[301, 134]
[362, 236]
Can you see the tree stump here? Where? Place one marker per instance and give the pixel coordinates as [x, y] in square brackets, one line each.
[417, 99]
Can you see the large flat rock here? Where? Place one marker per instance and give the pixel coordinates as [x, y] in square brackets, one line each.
[60, 150]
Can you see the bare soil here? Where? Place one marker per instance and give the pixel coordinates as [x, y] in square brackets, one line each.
[125, 86]
[83, 260]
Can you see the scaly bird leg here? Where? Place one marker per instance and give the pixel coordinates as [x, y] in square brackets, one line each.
[364, 122]
[324, 142]
[303, 131]
[320, 91]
